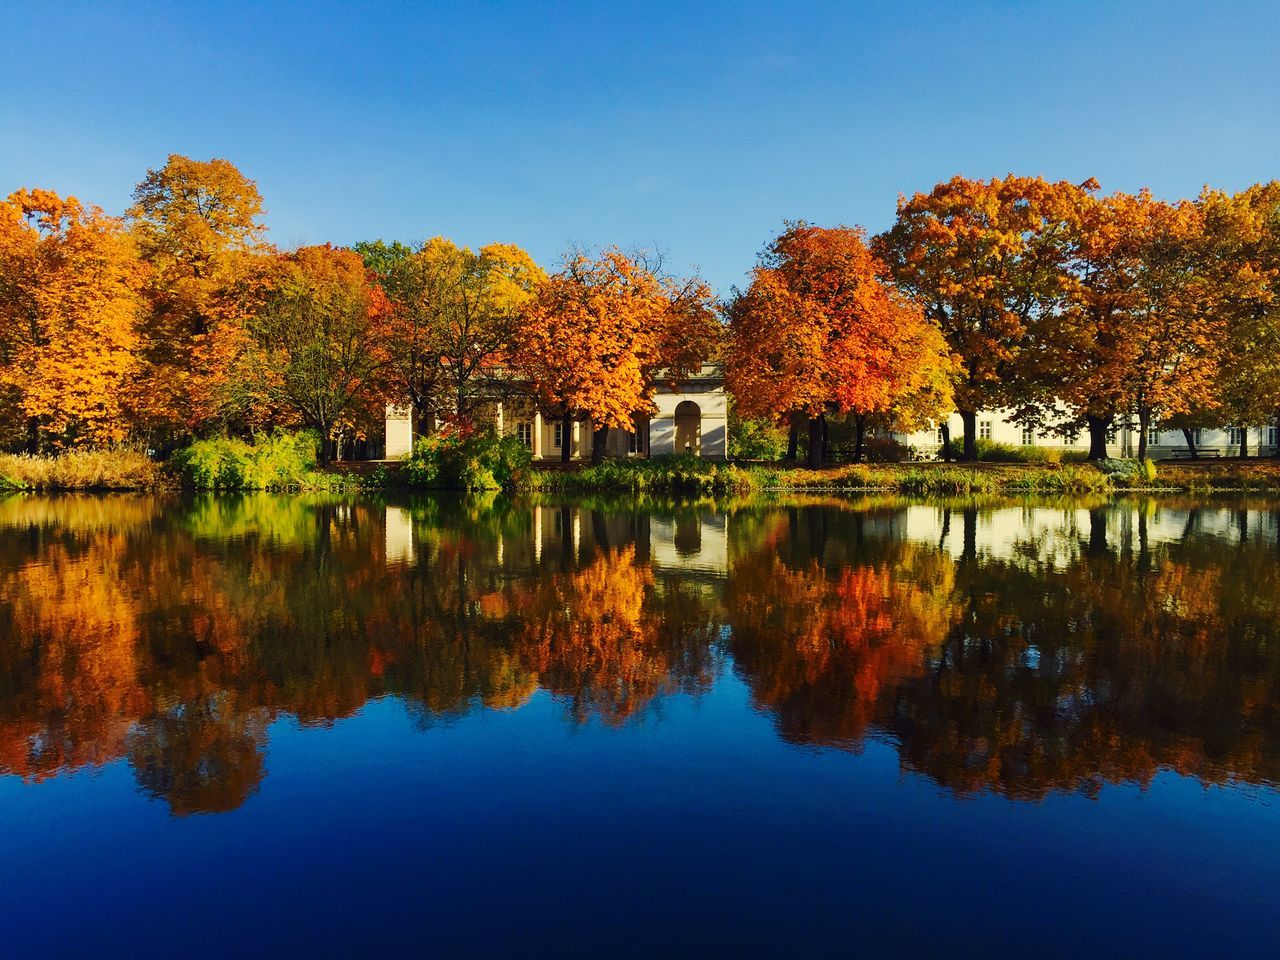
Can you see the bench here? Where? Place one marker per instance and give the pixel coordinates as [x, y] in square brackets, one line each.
[1200, 453]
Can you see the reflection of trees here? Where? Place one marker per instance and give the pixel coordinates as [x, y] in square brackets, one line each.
[150, 637]
[819, 645]
[1037, 675]
[172, 637]
[600, 637]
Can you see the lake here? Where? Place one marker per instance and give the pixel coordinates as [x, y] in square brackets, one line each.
[324, 726]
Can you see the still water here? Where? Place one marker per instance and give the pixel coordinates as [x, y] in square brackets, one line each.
[293, 725]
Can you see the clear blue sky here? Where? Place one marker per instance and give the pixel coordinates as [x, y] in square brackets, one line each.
[698, 128]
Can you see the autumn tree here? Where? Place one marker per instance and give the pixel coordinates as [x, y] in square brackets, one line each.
[197, 224]
[603, 332]
[1137, 332]
[1243, 241]
[984, 258]
[70, 313]
[454, 320]
[317, 343]
[820, 329]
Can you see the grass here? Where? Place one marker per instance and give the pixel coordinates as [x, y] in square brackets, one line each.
[689, 477]
[116, 468]
[683, 475]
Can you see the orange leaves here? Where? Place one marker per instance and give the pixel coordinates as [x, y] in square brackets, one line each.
[70, 313]
[820, 329]
[600, 332]
[984, 259]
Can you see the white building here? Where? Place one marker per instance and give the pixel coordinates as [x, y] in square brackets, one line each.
[692, 419]
[1162, 442]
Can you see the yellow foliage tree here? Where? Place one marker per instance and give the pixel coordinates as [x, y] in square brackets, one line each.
[70, 312]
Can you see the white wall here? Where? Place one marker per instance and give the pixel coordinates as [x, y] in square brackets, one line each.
[399, 432]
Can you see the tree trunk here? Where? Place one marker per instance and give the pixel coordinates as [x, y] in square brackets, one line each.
[1097, 436]
[970, 420]
[1189, 435]
[1144, 421]
[1244, 443]
[793, 440]
[33, 436]
[815, 442]
[566, 437]
[323, 455]
[859, 430]
[946, 441]
[599, 442]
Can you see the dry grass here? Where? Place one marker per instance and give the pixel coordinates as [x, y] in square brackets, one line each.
[114, 469]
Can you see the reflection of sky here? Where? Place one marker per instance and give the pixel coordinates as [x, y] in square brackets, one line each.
[508, 832]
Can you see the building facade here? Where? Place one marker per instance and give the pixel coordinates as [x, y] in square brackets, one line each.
[691, 419]
[998, 426]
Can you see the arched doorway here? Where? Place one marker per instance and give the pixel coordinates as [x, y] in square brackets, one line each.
[688, 428]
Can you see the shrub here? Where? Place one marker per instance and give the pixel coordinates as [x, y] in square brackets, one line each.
[117, 468]
[993, 452]
[885, 450]
[756, 440]
[456, 461]
[1128, 472]
[278, 461]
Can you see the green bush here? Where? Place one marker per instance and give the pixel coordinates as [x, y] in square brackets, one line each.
[453, 461]
[756, 440]
[278, 461]
[993, 452]
[1128, 472]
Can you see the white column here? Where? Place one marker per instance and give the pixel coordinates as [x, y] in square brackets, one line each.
[537, 436]
[500, 431]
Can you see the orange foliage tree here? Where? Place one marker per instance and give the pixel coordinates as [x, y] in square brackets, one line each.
[197, 226]
[820, 329]
[1243, 243]
[1137, 331]
[984, 259]
[317, 344]
[70, 313]
[455, 316]
[603, 332]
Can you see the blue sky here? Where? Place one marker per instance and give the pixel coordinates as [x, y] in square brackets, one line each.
[697, 128]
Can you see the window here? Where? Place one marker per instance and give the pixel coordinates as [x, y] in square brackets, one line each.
[938, 436]
[1153, 436]
[524, 433]
[635, 442]
[1070, 438]
[1233, 436]
[984, 430]
[1028, 437]
[1271, 436]
[1197, 436]
[557, 434]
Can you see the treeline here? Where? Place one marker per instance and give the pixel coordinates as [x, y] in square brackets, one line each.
[1073, 309]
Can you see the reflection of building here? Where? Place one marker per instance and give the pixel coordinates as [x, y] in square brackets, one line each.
[690, 541]
[399, 536]
[691, 419]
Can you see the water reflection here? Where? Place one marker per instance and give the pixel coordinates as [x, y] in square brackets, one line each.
[1007, 648]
